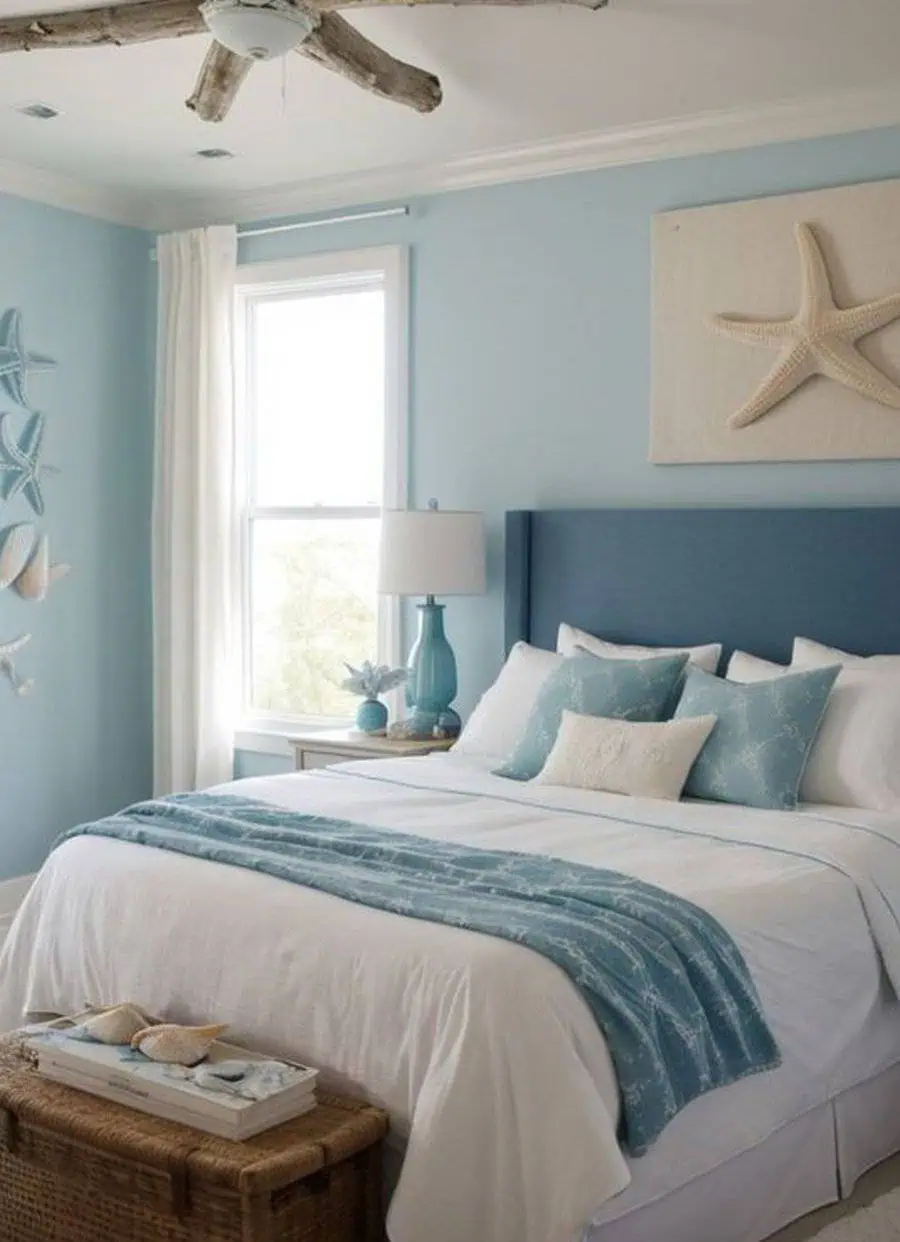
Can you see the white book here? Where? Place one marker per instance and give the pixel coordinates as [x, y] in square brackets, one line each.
[272, 1091]
[236, 1129]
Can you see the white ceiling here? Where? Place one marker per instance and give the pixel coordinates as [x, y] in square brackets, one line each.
[510, 77]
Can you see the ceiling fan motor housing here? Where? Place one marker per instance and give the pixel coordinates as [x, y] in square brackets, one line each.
[257, 31]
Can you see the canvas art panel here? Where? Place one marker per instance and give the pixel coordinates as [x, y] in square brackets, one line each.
[751, 261]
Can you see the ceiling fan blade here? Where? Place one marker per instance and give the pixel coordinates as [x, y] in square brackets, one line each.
[337, 45]
[125, 23]
[220, 79]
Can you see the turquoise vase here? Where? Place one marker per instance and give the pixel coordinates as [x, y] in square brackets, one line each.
[431, 675]
[371, 716]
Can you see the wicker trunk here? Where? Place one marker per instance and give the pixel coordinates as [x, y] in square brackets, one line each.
[75, 1168]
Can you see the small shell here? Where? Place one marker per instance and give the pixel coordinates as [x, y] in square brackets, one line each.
[34, 579]
[176, 1045]
[33, 582]
[15, 549]
[115, 1025]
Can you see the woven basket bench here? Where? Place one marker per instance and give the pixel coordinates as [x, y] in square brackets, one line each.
[75, 1168]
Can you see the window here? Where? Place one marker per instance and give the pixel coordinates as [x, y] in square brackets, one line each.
[321, 407]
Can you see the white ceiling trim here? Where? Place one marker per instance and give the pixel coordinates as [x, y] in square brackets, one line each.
[57, 190]
[681, 136]
[699, 134]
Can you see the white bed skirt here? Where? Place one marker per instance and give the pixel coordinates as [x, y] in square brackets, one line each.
[808, 1163]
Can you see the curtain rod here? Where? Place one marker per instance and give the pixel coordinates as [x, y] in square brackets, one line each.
[267, 229]
[350, 218]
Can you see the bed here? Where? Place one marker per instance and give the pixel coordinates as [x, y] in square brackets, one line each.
[500, 1087]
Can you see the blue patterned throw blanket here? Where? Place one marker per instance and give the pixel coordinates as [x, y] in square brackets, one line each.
[666, 984]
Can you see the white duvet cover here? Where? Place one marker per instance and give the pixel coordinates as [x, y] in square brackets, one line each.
[497, 1079]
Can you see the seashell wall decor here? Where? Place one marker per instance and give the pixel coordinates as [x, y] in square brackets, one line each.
[25, 563]
[15, 548]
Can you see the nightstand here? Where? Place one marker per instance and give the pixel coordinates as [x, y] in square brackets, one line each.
[325, 746]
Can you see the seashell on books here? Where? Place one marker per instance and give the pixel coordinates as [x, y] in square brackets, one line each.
[177, 1045]
[115, 1025]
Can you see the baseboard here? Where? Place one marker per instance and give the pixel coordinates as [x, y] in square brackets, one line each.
[12, 894]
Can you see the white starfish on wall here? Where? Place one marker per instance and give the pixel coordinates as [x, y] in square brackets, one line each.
[819, 340]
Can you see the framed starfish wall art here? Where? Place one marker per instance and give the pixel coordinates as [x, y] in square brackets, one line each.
[776, 328]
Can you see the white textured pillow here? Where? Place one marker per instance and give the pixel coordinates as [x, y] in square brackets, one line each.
[746, 668]
[810, 654]
[500, 715]
[621, 756]
[855, 759]
[569, 639]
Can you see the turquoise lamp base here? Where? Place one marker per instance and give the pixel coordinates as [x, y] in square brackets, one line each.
[431, 678]
[423, 725]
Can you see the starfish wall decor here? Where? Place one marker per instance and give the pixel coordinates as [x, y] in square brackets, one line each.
[24, 552]
[21, 462]
[820, 339]
[15, 360]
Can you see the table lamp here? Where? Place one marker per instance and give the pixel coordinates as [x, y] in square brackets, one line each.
[431, 552]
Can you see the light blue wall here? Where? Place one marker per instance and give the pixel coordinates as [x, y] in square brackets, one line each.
[531, 347]
[80, 745]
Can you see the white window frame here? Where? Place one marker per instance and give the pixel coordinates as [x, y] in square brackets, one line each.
[339, 270]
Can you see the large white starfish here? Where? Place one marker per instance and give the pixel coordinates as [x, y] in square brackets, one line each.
[819, 340]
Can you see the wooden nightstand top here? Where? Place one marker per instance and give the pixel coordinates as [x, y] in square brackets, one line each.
[321, 746]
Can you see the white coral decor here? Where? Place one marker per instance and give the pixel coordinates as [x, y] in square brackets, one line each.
[370, 680]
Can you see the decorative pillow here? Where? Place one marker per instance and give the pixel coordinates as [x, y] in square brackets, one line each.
[810, 654]
[758, 750]
[570, 640]
[620, 756]
[745, 667]
[856, 759]
[498, 719]
[593, 686]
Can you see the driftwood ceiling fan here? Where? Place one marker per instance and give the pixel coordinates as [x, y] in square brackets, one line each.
[245, 31]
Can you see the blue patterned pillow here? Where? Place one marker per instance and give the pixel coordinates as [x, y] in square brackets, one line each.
[592, 686]
[757, 751]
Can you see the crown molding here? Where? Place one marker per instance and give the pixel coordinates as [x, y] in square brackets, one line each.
[698, 134]
[71, 194]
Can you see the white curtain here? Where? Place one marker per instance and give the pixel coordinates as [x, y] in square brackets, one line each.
[195, 521]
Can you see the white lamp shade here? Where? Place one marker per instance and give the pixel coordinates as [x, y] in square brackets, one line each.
[431, 552]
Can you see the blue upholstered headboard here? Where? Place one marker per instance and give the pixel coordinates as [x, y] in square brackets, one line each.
[749, 578]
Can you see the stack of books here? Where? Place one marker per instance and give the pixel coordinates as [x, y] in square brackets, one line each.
[283, 1089]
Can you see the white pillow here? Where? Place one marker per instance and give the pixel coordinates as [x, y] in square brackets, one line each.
[569, 639]
[810, 654]
[855, 759]
[499, 717]
[621, 756]
[746, 668]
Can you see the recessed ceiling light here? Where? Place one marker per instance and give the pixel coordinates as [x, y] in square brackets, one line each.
[215, 153]
[40, 111]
